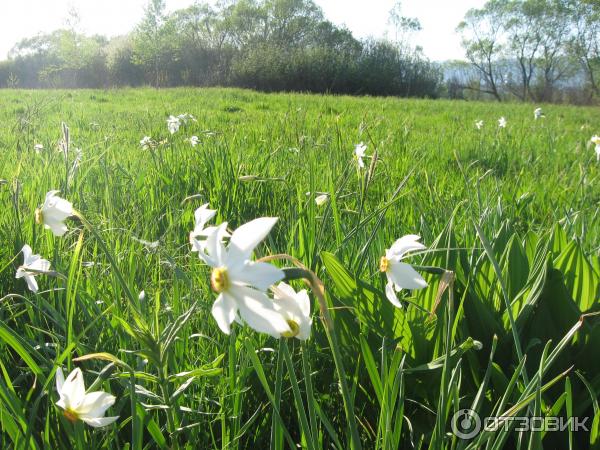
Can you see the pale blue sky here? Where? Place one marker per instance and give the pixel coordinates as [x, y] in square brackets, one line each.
[24, 18]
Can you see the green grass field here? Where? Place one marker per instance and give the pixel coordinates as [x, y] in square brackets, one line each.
[510, 218]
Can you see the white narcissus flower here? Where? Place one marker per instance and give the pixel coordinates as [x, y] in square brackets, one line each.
[320, 200]
[38, 147]
[53, 213]
[538, 114]
[241, 283]
[401, 275]
[79, 405]
[295, 309]
[194, 141]
[359, 153]
[502, 122]
[173, 124]
[479, 124]
[32, 265]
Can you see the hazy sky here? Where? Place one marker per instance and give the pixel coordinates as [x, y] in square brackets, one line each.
[439, 18]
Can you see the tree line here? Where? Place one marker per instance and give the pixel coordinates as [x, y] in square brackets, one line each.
[530, 50]
[270, 45]
[527, 50]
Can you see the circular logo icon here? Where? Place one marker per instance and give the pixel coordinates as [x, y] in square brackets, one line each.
[466, 424]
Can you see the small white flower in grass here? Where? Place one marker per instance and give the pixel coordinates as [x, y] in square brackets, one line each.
[401, 275]
[359, 153]
[596, 141]
[79, 405]
[53, 213]
[537, 113]
[32, 265]
[173, 124]
[194, 141]
[320, 200]
[295, 309]
[241, 283]
[146, 142]
[502, 122]
[479, 124]
[38, 147]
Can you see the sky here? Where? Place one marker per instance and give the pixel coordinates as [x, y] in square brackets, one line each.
[439, 18]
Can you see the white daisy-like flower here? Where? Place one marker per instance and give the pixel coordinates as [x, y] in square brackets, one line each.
[399, 274]
[33, 265]
[38, 147]
[78, 405]
[537, 113]
[479, 124]
[502, 122]
[194, 141]
[53, 213]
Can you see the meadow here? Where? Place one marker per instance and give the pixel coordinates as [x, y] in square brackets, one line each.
[507, 326]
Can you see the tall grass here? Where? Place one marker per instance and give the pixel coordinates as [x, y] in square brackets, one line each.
[507, 326]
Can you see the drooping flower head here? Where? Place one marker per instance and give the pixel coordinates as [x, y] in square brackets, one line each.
[79, 405]
[32, 265]
[194, 141]
[401, 275]
[295, 309]
[502, 122]
[241, 283]
[359, 153]
[53, 213]
[538, 114]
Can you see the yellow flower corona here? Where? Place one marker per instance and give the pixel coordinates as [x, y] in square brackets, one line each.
[219, 280]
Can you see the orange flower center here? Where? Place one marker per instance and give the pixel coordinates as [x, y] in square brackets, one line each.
[384, 264]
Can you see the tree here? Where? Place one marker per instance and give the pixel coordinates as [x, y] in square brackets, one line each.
[151, 40]
[482, 33]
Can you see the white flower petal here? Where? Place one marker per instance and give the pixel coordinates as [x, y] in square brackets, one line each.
[95, 404]
[258, 274]
[60, 380]
[246, 237]
[31, 283]
[73, 388]
[404, 245]
[258, 311]
[391, 294]
[404, 276]
[98, 422]
[27, 252]
[224, 311]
